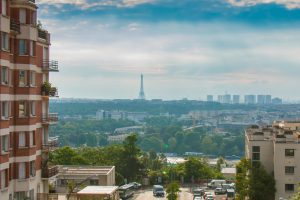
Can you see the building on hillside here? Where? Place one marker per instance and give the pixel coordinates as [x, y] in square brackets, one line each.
[250, 99]
[210, 98]
[83, 175]
[24, 101]
[277, 147]
[236, 99]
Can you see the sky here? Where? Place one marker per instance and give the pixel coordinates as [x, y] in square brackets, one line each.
[184, 48]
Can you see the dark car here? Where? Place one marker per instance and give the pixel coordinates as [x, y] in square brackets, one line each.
[136, 185]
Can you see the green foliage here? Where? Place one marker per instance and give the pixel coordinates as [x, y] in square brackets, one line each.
[262, 185]
[253, 182]
[172, 191]
[125, 157]
[296, 196]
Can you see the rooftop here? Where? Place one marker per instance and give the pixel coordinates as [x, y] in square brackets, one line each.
[85, 170]
[98, 190]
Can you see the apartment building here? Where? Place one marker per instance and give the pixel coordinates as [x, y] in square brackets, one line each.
[277, 147]
[24, 99]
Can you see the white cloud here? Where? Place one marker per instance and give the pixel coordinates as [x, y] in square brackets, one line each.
[290, 4]
[86, 4]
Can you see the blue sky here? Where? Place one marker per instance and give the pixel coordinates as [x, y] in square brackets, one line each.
[184, 48]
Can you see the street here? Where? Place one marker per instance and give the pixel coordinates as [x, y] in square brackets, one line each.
[185, 194]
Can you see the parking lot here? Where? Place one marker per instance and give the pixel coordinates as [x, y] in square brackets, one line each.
[185, 194]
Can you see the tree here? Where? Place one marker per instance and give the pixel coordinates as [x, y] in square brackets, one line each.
[296, 195]
[261, 184]
[253, 182]
[130, 158]
[242, 179]
[172, 191]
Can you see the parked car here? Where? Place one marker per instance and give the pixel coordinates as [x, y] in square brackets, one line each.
[136, 185]
[209, 197]
[206, 194]
[220, 190]
[197, 198]
[198, 192]
[216, 183]
[158, 191]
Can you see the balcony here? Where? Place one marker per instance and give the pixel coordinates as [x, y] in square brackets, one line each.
[51, 145]
[51, 93]
[43, 34]
[50, 65]
[51, 118]
[15, 25]
[49, 172]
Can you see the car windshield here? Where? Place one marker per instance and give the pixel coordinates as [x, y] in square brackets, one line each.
[159, 189]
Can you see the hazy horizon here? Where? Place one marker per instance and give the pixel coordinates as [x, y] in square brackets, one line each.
[185, 49]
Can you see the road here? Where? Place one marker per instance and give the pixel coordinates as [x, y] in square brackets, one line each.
[148, 195]
[183, 195]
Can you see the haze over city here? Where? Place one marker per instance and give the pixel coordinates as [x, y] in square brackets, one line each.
[184, 48]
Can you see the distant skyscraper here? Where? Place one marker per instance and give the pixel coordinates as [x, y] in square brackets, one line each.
[261, 99]
[250, 99]
[210, 98]
[236, 99]
[226, 98]
[142, 94]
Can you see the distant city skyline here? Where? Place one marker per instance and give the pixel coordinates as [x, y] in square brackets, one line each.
[184, 48]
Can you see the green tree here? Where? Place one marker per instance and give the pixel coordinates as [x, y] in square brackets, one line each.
[253, 182]
[296, 196]
[130, 158]
[172, 191]
[261, 184]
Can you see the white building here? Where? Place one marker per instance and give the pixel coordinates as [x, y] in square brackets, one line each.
[277, 147]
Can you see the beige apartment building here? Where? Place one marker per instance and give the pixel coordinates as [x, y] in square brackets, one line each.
[277, 147]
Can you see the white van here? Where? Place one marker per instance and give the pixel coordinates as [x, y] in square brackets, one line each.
[216, 183]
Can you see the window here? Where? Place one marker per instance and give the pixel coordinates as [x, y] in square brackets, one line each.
[255, 156]
[4, 41]
[31, 194]
[33, 18]
[20, 195]
[289, 187]
[32, 138]
[22, 170]
[22, 139]
[4, 143]
[289, 169]
[290, 152]
[32, 168]
[3, 175]
[256, 149]
[32, 108]
[4, 75]
[22, 47]
[32, 48]
[22, 17]
[94, 182]
[4, 7]
[4, 110]
[32, 78]
[22, 109]
[22, 78]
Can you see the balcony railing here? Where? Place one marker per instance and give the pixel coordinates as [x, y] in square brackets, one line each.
[15, 25]
[42, 34]
[52, 92]
[50, 118]
[49, 172]
[50, 65]
[51, 145]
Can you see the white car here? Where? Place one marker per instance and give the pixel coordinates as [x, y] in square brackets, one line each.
[209, 197]
[197, 198]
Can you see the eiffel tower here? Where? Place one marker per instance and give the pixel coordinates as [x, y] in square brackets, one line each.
[142, 94]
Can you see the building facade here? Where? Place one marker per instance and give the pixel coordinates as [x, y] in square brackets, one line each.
[277, 147]
[24, 100]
